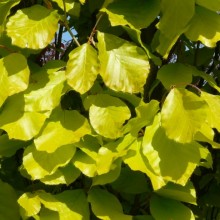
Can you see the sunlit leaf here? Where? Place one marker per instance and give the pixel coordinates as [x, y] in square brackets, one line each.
[145, 115]
[8, 202]
[82, 68]
[137, 162]
[123, 66]
[63, 175]
[70, 204]
[33, 27]
[107, 111]
[30, 204]
[44, 91]
[40, 163]
[106, 206]
[192, 109]
[63, 127]
[136, 14]
[20, 124]
[159, 151]
[5, 6]
[204, 27]
[166, 209]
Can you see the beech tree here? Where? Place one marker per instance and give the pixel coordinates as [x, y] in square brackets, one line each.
[120, 122]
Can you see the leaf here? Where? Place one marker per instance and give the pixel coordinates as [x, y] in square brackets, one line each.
[204, 27]
[213, 5]
[33, 27]
[109, 177]
[192, 109]
[185, 193]
[40, 163]
[175, 74]
[214, 105]
[44, 91]
[14, 76]
[71, 7]
[8, 202]
[63, 175]
[174, 20]
[170, 160]
[30, 204]
[145, 115]
[70, 204]
[119, 60]
[166, 209]
[82, 68]
[137, 162]
[5, 6]
[20, 124]
[106, 206]
[62, 128]
[85, 163]
[131, 182]
[9, 147]
[136, 14]
[106, 111]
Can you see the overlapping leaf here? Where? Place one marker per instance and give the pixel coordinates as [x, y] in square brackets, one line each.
[33, 27]
[82, 68]
[166, 209]
[204, 27]
[123, 66]
[14, 76]
[137, 14]
[40, 163]
[183, 114]
[159, 151]
[106, 111]
[20, 124]
[175, 74]
[213, 5]
[174, 20]
[63, 127]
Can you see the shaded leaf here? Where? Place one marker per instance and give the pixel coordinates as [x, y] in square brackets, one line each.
[8, 202]
[136, 14]
[106, 206]
[175, 74]
[204, 27]
[166, 209]
[185, 193]
[213, 5]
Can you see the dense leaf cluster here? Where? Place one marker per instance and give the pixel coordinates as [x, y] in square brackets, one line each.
[121, 122]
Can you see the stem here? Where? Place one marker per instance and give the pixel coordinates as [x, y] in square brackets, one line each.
[67, 26]
[94, 30]
[58, 43]
[8, 49]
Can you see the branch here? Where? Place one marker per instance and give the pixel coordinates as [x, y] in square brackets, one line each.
[67, 26]
[90, 40]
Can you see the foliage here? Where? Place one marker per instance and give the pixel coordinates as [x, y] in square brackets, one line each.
[120, 122]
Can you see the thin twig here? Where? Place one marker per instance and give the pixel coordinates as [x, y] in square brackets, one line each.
[67, 26]
[8, 49]
[94, 29]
